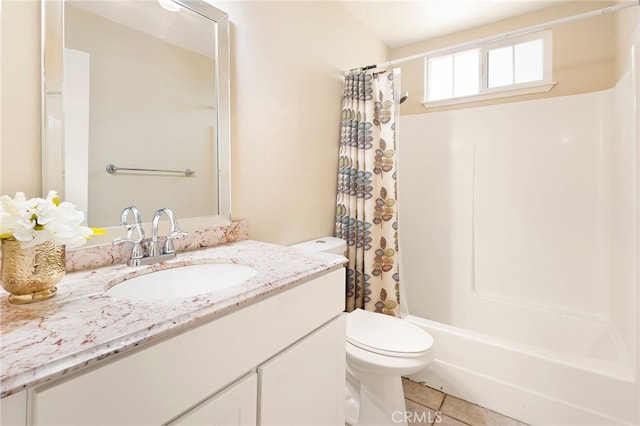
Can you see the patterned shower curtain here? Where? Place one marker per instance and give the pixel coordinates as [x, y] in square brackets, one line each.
[366, 214]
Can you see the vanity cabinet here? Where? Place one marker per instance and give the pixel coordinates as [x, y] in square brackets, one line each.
[13, 409]
[278, 361]
[295, 383]
[234, 406]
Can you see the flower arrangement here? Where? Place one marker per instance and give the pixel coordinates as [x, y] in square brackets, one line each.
[37, 220]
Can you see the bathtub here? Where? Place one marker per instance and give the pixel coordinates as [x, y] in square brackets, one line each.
[519, 240]
[534, 384]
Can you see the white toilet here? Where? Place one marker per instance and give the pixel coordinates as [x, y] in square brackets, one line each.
[380, 350]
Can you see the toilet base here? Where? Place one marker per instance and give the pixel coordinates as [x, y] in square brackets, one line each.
[374, 400]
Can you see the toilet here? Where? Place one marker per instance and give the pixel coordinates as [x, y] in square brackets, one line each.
[380, 350]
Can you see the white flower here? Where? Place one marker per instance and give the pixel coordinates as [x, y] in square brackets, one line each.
[37, 220]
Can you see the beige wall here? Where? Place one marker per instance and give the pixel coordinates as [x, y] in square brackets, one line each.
[584, 58]
[20, 103]
[0, 95]
[287, 76]
[288, 60]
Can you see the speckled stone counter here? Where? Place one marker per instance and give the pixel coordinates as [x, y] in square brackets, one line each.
[81, 325]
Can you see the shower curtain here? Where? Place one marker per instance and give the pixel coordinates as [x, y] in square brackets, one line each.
[366, 214]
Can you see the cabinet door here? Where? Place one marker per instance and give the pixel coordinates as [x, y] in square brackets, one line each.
[234, 406]
[305, 384]
[13, 409]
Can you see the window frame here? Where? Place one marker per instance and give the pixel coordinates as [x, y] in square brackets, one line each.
[484, 92]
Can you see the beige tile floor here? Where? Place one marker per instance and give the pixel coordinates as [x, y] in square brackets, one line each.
[428, 406]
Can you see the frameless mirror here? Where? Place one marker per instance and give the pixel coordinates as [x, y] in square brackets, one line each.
[136, 107]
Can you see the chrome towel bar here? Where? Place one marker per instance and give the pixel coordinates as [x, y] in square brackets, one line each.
[112, 169]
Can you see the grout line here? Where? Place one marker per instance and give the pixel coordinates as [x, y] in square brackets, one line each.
[454, 415]
[442, 403]
[439, 410]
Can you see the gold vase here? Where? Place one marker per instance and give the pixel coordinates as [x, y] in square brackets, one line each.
[31, 274]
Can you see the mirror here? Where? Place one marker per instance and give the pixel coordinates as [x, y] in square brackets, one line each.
[136, 107]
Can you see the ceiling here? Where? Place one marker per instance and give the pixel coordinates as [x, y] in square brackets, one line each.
[181, 27]
[401, 22]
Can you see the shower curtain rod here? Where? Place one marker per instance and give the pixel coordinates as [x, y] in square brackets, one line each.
[501, 36]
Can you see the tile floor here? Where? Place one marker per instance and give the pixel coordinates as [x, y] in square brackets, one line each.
[428, 406]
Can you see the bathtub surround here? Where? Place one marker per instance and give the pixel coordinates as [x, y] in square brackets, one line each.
[522, 251]
[366, 214]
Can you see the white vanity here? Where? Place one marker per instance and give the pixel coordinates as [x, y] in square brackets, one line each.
[269, 351]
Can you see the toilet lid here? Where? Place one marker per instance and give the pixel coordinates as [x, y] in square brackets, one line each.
[386, 335]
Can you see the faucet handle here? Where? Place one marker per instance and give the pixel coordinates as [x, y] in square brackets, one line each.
[137, 252]
[129, 237]
[176, 234]
[137, 221]
[168, 244]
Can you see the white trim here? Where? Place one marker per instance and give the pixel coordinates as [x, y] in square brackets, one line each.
[505, 93]
[76, 106]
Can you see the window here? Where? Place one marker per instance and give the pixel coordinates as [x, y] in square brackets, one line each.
[454, 76]
[516, 65]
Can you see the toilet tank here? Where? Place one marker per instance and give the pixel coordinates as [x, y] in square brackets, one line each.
[324, 244]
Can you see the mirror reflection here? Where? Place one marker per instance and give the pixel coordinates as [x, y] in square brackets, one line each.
[134, 109]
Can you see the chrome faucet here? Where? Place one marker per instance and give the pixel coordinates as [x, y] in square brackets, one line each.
[152, 254]
[137, 252]
[174, 231]
[137, 218]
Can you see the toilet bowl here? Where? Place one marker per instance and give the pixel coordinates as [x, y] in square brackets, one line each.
[380, 350]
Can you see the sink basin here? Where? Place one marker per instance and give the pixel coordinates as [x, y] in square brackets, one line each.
[182, 281]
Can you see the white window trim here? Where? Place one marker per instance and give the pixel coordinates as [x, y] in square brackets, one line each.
[505, 93]
[498, 92]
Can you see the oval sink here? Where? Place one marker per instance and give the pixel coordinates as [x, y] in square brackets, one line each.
[182, 281]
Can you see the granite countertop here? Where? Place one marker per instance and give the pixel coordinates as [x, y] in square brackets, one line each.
[81, 325]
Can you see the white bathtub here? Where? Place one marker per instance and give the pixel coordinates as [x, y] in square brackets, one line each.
[519, 241]
[533, 384]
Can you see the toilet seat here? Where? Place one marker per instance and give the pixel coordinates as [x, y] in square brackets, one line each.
[386, 335]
